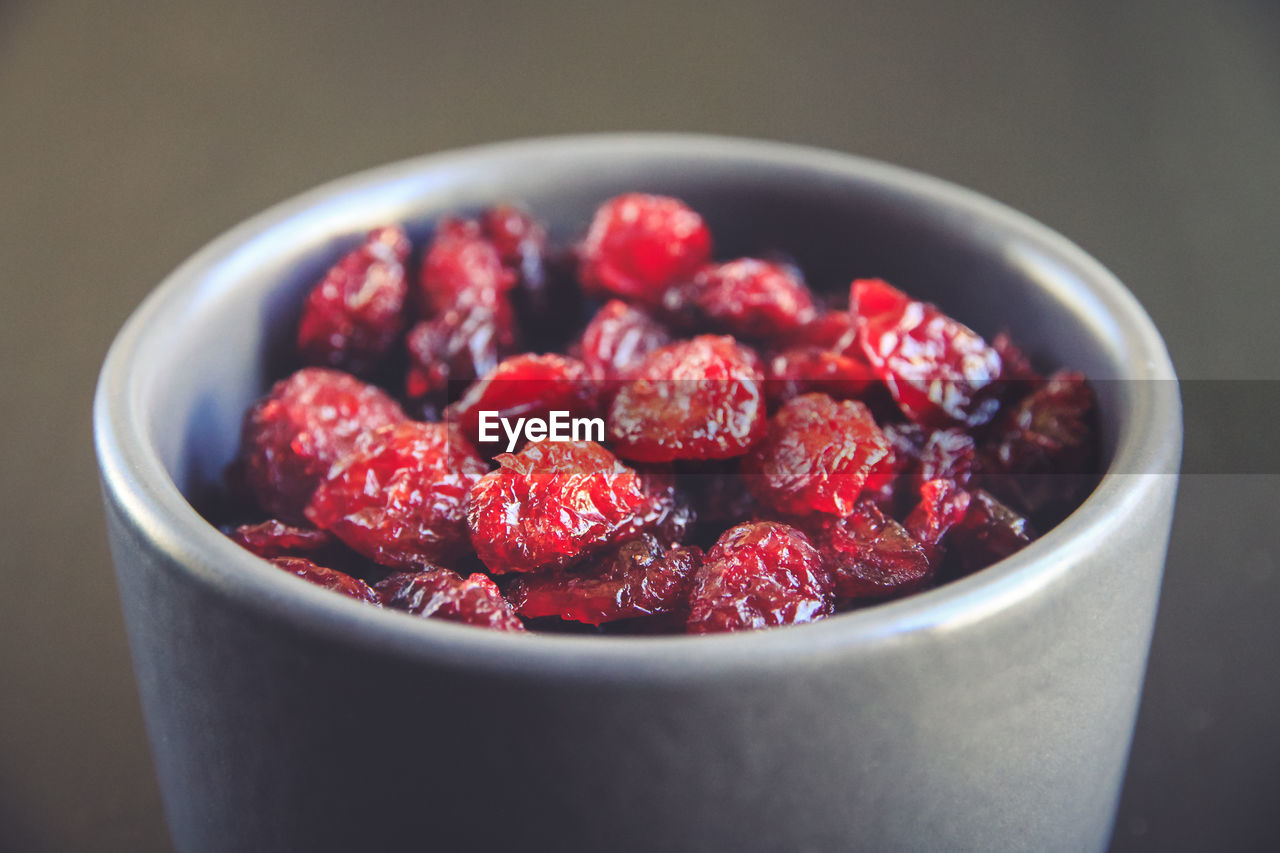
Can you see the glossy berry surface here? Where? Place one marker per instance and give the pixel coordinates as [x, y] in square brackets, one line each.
[696, 399]
[618, 339]
[302, 426]
[550, 504]
[942, 506]
[759, 575]
[463, 268]
[639, 246]
[869, 555]
[399, 497]
[327, 578]
[816, 457]
[639, 578]
[438, 593]
[753, 298]
[458, 345]
[989, 531]
[939, 371]
[275, 538]
[526, 386]
[805, 369]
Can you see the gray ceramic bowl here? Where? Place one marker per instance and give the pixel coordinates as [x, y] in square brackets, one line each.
[993, 713]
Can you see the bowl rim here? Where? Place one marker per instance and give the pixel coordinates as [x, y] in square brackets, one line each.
[134, 479]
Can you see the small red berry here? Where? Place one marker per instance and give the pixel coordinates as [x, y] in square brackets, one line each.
[640, 245]
[443, 594]
[753, 298]
[328, 578]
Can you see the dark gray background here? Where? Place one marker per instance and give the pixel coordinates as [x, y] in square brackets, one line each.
[1147, 132]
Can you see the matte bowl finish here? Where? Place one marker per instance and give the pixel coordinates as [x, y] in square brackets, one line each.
[993, 713]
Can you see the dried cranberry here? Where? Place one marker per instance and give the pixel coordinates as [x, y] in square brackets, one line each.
[462, 268]
[758, 575]
[989, 531]
[327, 578]
[696, 399]
[443, 594]
[948, 455]
[549, 504]
[1015, 364]
[753, 298]
[526, 386]
[816, 457]
[1042, 453]
[458, 345]
[301, 427]
[640, 578]
[800, 370]
[274, 538]
[399, 498]
[942, 506]
[869, 555]
[618, 339]
[939, 371]
[352, 318]
[640, 245]
[834, 331]
[520, 240]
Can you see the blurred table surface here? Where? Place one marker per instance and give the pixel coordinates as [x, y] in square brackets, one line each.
[132, 133]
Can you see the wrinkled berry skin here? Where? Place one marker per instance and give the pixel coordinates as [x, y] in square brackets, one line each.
[640, 578]
[399, 498]
[549, 504]
[939, 371]
[618, 339]
[328, 578]
[352, 318]
[753, 298]
[461, 268]
[816, 456]
[274, 538]
[871, 556]
[302, 426]
[949, 454]
[666, 511]
[759, 575]
[989, 531]
[801, 370]
[1042, 454]
[943, 505]
[696, 399]
[525, 386]
[438, 593]
[458, 345]
[639, 246]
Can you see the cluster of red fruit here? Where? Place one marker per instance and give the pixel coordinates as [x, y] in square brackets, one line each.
[825, 455]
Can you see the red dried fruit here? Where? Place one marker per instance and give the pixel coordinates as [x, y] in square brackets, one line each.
[939, 371]
[328, 578]
[816, 457]
[443, 594]
[942, 506]
[301, 427]
[640, 578]
[696, 399]
[399, 498]
[753, 298]
[526, 386]
[461, 268]
[990, 531]
[549, 504]
[640, 245]
[275, 538]
[948, 455]
[520, 239]
[666, 511]
[759, 575]
[456, 346]
[869, 555]
[1043, 451]
[835, 331]
[351, 319]
[1015, 365]
[618, 339]
[801, 370]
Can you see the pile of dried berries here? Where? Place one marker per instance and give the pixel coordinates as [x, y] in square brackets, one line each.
[762, 456]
